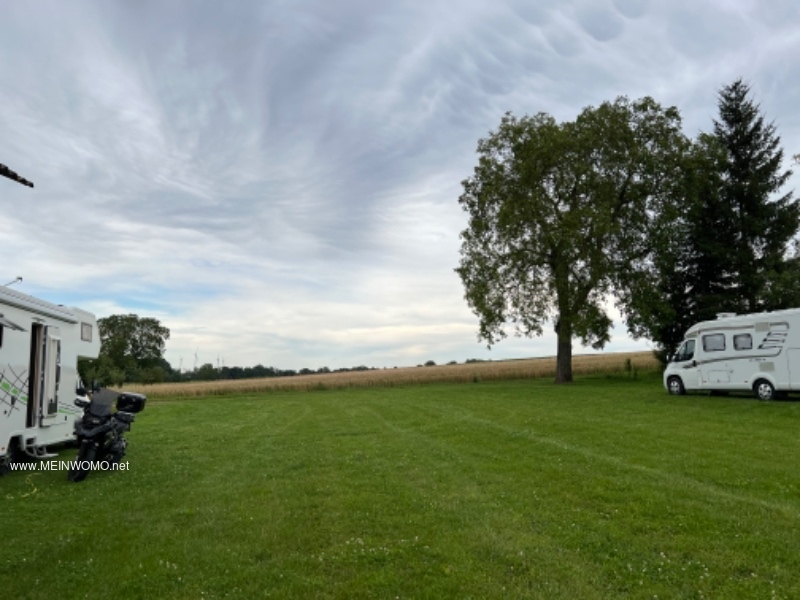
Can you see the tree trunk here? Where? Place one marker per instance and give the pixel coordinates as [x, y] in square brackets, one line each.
[564, 357]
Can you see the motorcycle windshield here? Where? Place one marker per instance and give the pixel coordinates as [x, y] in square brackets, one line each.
[102, 403]
[101, 408]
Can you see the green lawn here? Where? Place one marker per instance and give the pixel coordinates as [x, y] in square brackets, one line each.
[605, 488]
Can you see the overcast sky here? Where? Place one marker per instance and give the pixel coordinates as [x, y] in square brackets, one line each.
[278, 181]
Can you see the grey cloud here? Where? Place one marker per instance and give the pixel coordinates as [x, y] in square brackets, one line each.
[535, 13]
[784, 14]
[702, 32]
[603, 25]
[564, 41]
[632, 9]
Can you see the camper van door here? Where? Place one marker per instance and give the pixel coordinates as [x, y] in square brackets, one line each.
[685, 364]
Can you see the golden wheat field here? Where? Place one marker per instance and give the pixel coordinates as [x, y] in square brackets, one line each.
[460, 373]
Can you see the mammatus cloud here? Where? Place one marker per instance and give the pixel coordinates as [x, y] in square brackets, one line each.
[277, 182]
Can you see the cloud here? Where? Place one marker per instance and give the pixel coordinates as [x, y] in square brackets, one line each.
[632, 9]
[601, 23]
[278, 182]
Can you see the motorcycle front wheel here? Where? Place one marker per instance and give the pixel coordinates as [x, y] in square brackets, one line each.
[80, 469]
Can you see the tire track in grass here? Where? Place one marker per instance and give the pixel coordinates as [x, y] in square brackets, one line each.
[489, 533]
[291, 422]
[669, 477]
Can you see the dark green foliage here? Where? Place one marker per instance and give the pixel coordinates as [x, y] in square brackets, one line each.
[668, 286]
[760, 225]
[132, 340]
[555, 211]
[720, 242]
[131, 348]
[206, 372]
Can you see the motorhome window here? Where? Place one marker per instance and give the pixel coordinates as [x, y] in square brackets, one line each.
[714, 342]
[86, 332]
[1, 336]
[743, 341]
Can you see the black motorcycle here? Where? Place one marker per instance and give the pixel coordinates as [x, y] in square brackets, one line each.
[99, 433]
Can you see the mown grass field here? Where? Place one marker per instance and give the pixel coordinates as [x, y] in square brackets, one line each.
[608, 488]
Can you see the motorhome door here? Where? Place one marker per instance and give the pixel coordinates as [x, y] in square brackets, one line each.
[45, 378]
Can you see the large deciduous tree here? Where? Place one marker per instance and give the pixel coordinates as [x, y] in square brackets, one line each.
[130, 346]
[130, 339]
[555, 210]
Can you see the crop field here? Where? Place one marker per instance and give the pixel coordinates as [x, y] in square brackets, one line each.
[606, 488]
[459, 373]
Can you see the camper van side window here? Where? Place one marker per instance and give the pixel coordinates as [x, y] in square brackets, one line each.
[743, 341]
[714, 342]
[1, 336]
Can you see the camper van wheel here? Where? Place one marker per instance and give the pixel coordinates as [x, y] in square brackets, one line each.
[764, 390]
[675, 386]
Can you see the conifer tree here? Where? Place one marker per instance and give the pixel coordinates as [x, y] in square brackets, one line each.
[761, 221]
[724, 240]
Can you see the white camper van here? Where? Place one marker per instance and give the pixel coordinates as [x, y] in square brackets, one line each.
[758, 352]
[40, 344]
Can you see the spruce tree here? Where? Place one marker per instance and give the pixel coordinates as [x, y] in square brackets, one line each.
[723, 239]
[759, 224]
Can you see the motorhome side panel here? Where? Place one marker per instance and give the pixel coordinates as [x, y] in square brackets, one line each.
[39, 348]
[732, 356]
[14, 353]
[733, 353]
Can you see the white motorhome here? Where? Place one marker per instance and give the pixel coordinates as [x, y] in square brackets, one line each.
[757, 352]
[40, 344]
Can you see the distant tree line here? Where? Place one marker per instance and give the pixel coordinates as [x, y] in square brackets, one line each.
[208, 372]
[620, 205]
[132, 350]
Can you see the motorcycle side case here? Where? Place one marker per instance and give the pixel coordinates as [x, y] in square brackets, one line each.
[130, 402]
[125, 417]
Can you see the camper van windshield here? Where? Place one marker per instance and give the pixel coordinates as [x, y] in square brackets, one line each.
[685, 352]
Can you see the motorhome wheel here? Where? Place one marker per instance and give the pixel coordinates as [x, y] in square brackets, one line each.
[764, 390]
[675, 386]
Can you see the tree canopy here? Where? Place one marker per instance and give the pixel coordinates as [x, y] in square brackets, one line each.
[724, 242]
[131, 347]
[555, 211]
[761, 219]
